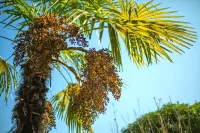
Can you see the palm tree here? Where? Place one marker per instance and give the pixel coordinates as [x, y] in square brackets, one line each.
[147, 31]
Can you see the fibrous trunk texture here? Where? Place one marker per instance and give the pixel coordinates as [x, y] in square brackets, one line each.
[31, 114]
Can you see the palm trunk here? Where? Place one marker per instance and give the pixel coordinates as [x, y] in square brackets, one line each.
[30, 110]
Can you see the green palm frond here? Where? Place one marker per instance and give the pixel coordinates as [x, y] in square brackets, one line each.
[58, 68]
[18, 13]
[71, 62]
[22, 13]
[61, 103]
[148, 31]
[74, 58]
[8, 78]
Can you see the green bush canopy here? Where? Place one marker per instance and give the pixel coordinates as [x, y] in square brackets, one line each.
[171, 118]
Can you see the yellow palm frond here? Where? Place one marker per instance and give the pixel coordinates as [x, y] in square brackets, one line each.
[74, 58]
[8, 78]
[148, 31]
[62, 103]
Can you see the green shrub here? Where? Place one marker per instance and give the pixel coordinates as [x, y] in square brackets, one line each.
[171, 118]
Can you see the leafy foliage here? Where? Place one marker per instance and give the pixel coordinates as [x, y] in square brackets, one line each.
[170, 118]
[62, 103]
[8, 78]
[74, 58]
[147, 31]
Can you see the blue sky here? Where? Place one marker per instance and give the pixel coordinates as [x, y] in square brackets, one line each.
[179, 80]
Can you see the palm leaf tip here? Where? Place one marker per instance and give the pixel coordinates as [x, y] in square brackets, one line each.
[8, 78]
[148, 31]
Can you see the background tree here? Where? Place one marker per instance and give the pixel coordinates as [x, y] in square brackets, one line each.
[173, 117]
[146, 36]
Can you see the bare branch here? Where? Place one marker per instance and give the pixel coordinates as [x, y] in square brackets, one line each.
[77, 48]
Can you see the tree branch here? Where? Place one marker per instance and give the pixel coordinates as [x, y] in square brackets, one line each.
[70, 68]
[77, 48]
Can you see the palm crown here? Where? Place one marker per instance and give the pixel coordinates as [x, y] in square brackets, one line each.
[147, 31]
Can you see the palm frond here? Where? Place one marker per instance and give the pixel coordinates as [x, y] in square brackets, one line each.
[58, 67]
[62, 103]
[71, 62]
[148, 31]
[76, 59]
[21, 13]
[8, 78]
